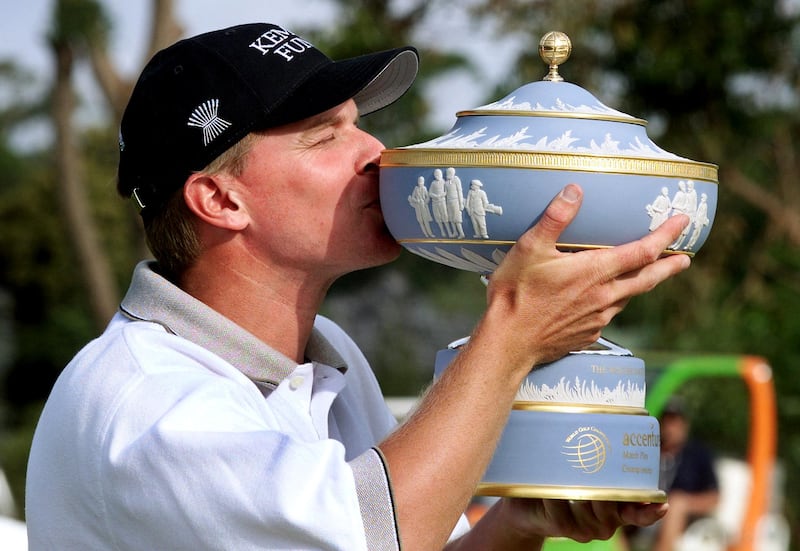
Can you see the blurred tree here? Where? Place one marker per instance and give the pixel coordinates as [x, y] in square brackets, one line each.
[63, 273]
[82, 27]
[75, 18]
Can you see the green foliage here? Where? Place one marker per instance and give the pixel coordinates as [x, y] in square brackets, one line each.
[77, 20]
[17, 104]
[15, 443]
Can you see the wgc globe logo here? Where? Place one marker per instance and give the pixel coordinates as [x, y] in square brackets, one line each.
[586, 449]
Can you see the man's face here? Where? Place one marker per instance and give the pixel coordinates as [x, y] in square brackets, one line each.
[312, 192]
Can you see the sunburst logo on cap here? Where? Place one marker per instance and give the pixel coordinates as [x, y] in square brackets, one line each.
[205, 116]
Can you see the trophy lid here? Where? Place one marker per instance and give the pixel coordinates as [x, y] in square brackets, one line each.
[551, 115]
[553, 96]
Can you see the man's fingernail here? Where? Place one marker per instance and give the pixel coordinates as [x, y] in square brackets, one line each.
[570, 193]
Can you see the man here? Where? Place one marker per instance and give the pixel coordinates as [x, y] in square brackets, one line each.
[687, 474]
[218, 411]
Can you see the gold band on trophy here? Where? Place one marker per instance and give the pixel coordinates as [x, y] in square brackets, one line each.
[562, 407]
[571, 492]
[640, 166]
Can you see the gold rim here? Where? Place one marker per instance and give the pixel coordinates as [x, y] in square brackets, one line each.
[578, 493]
[549, 115]
[561, 407]
[641, 166]
[496, 242]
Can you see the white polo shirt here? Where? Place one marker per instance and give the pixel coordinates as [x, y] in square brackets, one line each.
[177, 429]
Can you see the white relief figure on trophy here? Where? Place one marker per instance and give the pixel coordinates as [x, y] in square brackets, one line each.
[684, 202]
[699, 221]
[477, 206]
[438, 199]
[691, 211]
[659, 209]
[419, 200]
[455, 204]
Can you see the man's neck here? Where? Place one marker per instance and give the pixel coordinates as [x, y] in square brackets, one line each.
[279, 308]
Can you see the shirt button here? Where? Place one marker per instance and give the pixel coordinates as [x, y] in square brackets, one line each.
[296, 382]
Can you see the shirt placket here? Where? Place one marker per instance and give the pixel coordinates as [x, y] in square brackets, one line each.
[328, 383]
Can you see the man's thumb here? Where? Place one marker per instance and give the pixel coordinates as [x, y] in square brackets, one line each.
[558, 214]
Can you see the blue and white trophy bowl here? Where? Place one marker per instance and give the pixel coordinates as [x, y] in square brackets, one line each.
[463, 199]
[578, 428]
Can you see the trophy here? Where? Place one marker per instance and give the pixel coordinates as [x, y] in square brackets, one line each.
[578, 428]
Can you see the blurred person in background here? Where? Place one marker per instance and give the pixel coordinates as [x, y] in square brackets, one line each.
[688, 477]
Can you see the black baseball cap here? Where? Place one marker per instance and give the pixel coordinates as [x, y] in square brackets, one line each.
[198, 97]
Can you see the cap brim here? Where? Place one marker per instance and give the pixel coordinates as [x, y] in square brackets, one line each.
[391, 82]
[373, 81]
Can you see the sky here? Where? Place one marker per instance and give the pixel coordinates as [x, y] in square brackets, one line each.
[24, 24]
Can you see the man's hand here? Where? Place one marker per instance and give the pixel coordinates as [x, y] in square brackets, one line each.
[515, 523]
[550, 302]
[581, 521]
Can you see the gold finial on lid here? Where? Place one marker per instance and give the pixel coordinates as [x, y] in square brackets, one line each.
[554, 49]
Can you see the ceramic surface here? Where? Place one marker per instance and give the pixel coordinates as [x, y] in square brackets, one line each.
[577, 456]
[578, 430]
[464, 198]
[593, 379]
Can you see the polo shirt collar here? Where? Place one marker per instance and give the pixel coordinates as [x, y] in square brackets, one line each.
[151, 297]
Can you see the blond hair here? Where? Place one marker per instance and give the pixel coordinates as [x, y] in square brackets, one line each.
[171, 233]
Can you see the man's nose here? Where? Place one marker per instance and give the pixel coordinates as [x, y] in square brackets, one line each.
[372, 153]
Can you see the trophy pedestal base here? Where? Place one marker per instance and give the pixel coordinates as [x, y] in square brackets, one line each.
[572, 493]
[576, 453]
[578, 430]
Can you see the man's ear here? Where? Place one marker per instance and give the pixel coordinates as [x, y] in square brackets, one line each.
[214, 200]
